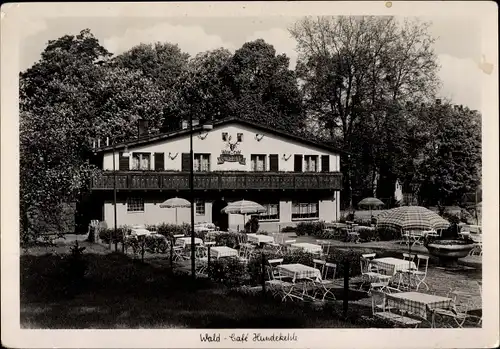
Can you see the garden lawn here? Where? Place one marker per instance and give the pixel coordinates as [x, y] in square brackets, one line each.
[121, 293]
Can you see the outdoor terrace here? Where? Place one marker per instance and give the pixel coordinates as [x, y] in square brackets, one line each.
[138, 180]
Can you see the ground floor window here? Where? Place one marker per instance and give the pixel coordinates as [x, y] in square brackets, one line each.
[200, 208]
[135, 205]
[305, 210]
[272, 212]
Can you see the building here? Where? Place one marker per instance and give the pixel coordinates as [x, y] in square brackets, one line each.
[293, 178]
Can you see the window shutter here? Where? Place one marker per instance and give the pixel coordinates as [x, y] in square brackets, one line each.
[185, 162]
[325, 163]
[160, 161]
[123, 163]
[273, 163]
[297, 165]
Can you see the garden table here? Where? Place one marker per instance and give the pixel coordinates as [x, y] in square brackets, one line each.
[259, 238]
[417, 303]
[393, 265]
[299, 271]
[223, 251]
[186, 241]
[307, 247]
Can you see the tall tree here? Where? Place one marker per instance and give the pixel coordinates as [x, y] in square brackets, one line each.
[356, 72]
[450, 164]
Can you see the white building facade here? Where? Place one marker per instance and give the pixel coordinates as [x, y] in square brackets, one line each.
[294, 179]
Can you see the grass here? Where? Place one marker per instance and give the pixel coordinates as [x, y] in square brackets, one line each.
[121, 293]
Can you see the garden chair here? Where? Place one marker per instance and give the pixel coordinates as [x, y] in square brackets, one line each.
[324, 243]
[319, 264]
[279, 287]
[319, 290]
[458, 311]
[273, 263]
[201, 254]
[405, 238]
[328, 269]
[408, 257]
[417, 275]
[370, 274]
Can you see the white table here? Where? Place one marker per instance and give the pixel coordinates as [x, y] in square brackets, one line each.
[140, 232]
[186, 241]
[307, 247]
[223, 251]
[259, 238]
[299, 271]
[393, 265]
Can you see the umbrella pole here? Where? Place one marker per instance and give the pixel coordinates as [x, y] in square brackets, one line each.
[176, 216]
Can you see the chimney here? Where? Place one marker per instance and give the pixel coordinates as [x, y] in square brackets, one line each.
[143, 127]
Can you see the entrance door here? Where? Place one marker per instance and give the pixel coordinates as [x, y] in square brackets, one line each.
[218, 218]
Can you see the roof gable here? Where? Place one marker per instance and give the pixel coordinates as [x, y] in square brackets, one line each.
[183, 132]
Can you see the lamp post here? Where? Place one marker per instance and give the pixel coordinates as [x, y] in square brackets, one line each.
[191, 189]
[115, 231]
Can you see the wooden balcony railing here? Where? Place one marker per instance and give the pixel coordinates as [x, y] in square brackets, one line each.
[134, 180]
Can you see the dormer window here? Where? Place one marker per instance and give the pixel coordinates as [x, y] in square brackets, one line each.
[224, 136]
[240, 137]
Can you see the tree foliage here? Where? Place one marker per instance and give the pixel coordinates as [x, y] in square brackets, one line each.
[358, 73]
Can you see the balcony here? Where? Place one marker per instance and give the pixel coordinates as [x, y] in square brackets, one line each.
[135, 180]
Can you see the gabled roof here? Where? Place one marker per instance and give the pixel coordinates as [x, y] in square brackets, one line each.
[232, 120]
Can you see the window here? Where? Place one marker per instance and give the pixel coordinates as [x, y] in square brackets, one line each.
[311, 163]
[123, 163]
[201, 162]
[272, 212]
[305, 210]
[141, 161]
[224, 136]
[257, 162]
[325, 163]
[239, 137]
[159, 161]
[135, 205]
[200, 208]
[297, 163]
[273, 163]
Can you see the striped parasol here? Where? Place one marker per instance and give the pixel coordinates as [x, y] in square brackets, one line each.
[411, 218]
[175, 203]
[243, 207]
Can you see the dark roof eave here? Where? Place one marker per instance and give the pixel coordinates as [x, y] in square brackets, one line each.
[163, 136]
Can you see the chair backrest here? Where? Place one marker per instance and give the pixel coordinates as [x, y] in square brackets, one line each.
[290, 241]
[425, 258]
[275, 261]
[328, 267]
[178, 236]
[378, 298]
[369, 255]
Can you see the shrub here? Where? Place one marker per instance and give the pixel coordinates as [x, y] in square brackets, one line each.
[74, 268]
[288, 229]
[368, 234]
[230, 239]
[339, 256]
[156, 244]
[310, 228]
[228, 271]
[388, 234]
[106, 234]
[350, 217]
[169, 230]
[252, 226]
[301, 257]
[254, 265]
[131, 241]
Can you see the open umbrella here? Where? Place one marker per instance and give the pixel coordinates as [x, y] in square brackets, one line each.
[175, 203]
[370, 202]
[411, 218]
[243, 207]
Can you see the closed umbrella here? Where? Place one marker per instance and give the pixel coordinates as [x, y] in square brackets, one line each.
[370, 202]
[411, 218]
[243, 207]
[175, 203]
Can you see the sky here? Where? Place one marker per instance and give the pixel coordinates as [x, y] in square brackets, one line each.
[457, 46]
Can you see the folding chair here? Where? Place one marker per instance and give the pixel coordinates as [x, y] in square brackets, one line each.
[279, 287]
[319, 264]
[408, 257]
[381, 311]
[458, 311]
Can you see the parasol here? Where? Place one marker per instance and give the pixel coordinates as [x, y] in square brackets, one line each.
[175, 203]
[243, 207]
